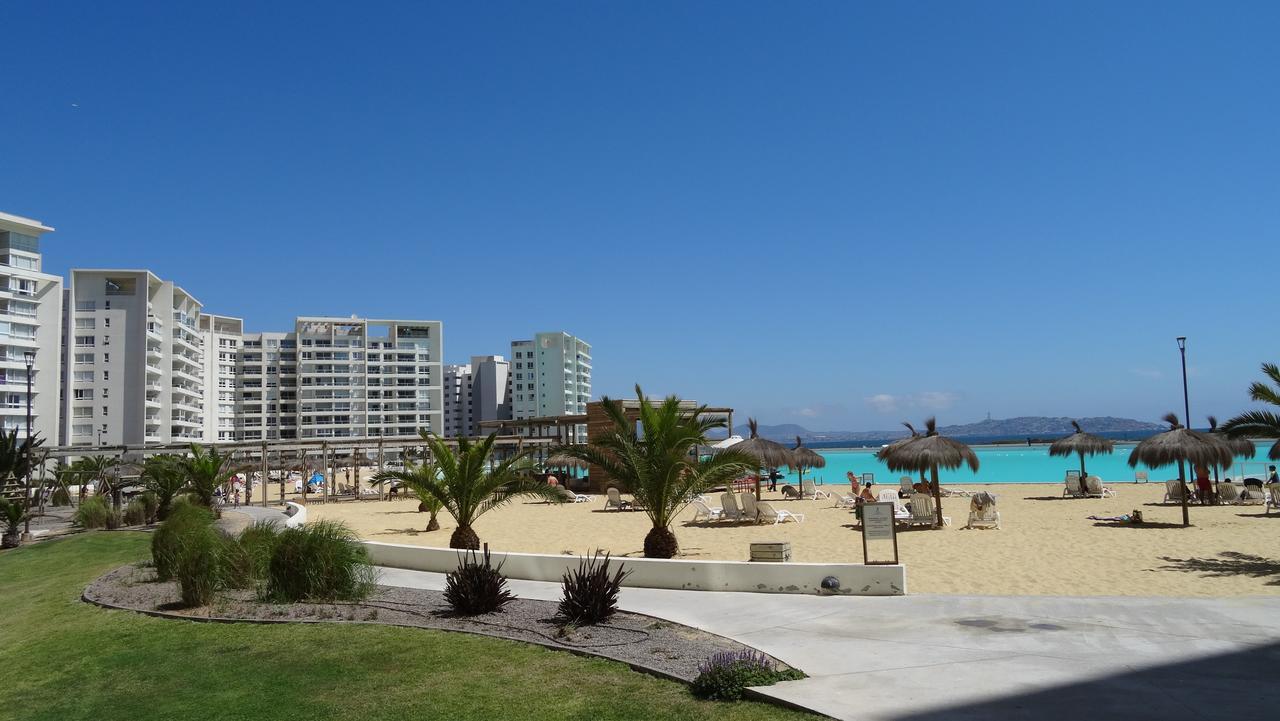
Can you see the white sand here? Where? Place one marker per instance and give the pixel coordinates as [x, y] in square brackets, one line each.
[1046, 547]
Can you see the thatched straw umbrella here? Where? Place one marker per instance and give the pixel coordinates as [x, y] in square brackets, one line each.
[883, 454]
[930, 451]
[771, 454]
[1181, 445]
[1081, 444]
[802, 458]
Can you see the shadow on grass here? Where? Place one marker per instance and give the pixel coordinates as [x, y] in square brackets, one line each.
[1228, 563]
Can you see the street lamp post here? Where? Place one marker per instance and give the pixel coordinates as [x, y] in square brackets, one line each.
[1186, 409]
[30, 358]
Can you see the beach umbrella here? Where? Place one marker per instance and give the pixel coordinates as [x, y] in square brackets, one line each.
[1081, 444]
[930, 451]
[1181, 445]
[1240, 447]
[885, 451]
[770, 454]
[802, 458]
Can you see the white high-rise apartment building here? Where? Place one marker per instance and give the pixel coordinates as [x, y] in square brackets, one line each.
[550, 376]
[136, 361]
[30, 329]
[475, 392]
[221, 337]
[267, 391]
[360, 377]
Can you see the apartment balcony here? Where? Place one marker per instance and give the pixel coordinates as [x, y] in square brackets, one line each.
[153, 331]
[184, 375]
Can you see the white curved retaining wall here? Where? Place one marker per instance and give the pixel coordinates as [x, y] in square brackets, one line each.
[855, 579]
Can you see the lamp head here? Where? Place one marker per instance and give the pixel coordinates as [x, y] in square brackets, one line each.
[1182, 342]
[30, 357]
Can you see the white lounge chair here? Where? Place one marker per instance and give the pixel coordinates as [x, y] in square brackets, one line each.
[571, 497]
[868, 478]
[905, 485]
[1073, 489]
[1228, 493]
[888, 495]
[982, 511]
[768, 513]
[945, 492]
[750, 511]
[613, 499]
[729, 507]
[922, 511]
[1093, 488]
[702, 511]
[1173, 491]
[1253, 496]
[808, 490]
[1141, 477]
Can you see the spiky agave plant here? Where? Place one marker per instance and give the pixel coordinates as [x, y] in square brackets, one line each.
[655, 464]
[467, 485]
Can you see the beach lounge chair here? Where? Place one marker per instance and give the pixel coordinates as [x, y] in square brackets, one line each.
[1228, 493]
[868, 478]
[888, 495]
[1093, 488]
[701, 511]
[1253, 496]
[1141, 477]
[922, 511]
[750, 511]
[613, 499]
[945, 492]
[1173, 491]
[846, 501]
[571, 497]
[808, 490]
[768, 513]
[729, 510]
[1073, 489]
[982, 511]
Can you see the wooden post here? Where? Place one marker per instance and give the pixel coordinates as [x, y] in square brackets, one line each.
[381, 484]
[266, 473]
[324, 464]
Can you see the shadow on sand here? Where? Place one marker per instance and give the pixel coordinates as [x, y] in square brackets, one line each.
[1228, 563]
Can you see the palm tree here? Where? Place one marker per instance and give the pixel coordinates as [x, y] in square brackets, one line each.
[104, 470]
[656, 465]
[1260, 424]
[165, 476]
[466, 484]
[414, 477]
[204, 470]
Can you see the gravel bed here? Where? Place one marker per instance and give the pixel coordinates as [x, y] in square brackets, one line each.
[645, 643]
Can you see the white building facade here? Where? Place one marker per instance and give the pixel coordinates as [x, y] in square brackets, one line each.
[220, 337]
[475, 392]
[550, 376]
[135, 370]
[30, 330]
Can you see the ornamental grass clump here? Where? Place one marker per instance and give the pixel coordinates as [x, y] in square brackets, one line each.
[167, 539]
[247, 556]
[591, 591]
[93, 513]
[724, 676]
[476, 586]
[321, 561]
[197, 563]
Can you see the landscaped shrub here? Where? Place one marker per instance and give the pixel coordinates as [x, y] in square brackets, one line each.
[135, 514]
[60, 497]
[321, 561]
[165, 542]
[723, 676]
[151, 504]
[247, 556]
[197, 563]
[591, 592]
[476, 587]
[94, 512]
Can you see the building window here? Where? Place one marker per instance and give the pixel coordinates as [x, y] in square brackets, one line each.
[104, 409]
[84, 341]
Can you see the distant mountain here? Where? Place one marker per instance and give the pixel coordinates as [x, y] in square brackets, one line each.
[1030, 426]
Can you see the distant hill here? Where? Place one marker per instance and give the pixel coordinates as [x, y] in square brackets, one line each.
[1031, 426]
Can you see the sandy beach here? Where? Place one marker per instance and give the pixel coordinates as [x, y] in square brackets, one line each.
[1047, 545]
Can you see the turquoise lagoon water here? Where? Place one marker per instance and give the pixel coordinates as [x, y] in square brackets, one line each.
[1017, 464]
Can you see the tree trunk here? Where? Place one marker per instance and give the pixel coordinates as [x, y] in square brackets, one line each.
[937, 497]
[660, 543]
[10, 540]
[433, 524]
[465, 538]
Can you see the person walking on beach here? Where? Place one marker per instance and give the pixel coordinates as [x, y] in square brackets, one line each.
[1204, 486]
[1272, 477]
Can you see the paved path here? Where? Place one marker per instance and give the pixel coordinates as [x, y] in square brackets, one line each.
[939, 658]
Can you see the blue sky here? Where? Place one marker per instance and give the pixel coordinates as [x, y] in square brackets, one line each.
[836, 214]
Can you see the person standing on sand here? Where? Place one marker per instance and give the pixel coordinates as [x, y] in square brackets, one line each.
[1204, 486]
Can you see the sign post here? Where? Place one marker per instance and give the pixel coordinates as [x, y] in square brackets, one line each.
[877, 525]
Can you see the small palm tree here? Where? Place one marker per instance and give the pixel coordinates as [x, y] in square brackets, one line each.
[102, 469]
[204, 470]
[12, 514]
[466, 484]
[659, 465]
[1260, 424]
[165, 476]
[414, 477]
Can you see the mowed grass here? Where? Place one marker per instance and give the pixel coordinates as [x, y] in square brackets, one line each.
[63, 659]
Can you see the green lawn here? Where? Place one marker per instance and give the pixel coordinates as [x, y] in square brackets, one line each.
[63, 659]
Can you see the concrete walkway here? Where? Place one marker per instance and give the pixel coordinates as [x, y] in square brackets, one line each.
[936, 658]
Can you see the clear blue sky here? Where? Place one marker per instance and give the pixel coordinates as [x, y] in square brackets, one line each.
[836, 214]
